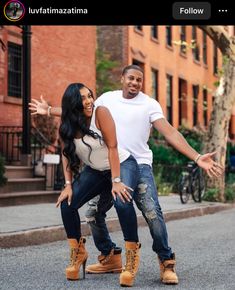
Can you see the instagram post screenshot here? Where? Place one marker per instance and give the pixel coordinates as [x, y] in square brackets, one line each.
[117, 145]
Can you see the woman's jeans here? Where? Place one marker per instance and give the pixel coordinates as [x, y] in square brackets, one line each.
[92, 182]
[146, 199]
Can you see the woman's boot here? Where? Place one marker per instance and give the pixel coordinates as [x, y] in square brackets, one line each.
[78, 257]
[132, 264]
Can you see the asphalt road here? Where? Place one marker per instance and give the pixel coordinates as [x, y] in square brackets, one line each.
[204, 247]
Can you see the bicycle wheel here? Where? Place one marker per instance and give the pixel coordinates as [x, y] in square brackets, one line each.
[198, 185]
[184, 188]
[202, 185]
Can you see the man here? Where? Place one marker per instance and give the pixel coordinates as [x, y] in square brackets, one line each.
[134, 114]
[15, 9]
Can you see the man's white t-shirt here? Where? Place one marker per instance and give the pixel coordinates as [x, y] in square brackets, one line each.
[133, 119]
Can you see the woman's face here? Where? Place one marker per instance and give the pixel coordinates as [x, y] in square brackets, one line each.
[87, 102]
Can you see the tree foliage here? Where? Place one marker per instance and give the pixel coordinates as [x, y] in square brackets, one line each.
[104, 70]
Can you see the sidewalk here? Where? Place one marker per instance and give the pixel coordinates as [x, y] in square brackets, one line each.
[41, 223]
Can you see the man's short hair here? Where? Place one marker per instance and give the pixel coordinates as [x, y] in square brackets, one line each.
[132, 66]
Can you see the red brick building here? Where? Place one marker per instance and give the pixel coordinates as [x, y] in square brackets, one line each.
[181, 65]
[59, 55]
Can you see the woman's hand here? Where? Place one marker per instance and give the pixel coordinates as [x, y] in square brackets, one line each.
[122, 191]
[37, 107]
[66, 193]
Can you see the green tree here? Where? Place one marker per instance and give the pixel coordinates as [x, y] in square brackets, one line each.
[104, 72]
[217, 135]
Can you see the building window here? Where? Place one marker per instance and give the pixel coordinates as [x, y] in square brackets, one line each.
[195, 46]
[215, 59]
[183, 39]
[182, 105]
[14, 70]
[204, 48]
[168, 35]
[195, 104]
[154, 84]
[139, 27]
[205, 107]
[154, 32]
[169, 98]
[139, 63]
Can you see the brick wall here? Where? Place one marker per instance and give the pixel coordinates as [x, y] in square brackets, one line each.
[60, 55]
[126, 43]
[113, 41]
[155, 54]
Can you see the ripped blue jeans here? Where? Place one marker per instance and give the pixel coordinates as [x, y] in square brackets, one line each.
[146, 199]
[88, 185]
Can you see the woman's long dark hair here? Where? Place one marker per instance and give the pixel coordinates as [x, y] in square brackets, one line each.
[73, 121]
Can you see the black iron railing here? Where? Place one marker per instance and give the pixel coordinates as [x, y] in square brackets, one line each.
[11, 146]
[10, 141]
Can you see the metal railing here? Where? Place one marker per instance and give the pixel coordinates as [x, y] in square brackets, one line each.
[11, 146]
[10, 140]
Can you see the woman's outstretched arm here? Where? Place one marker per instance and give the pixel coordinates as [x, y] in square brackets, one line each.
[42, 108]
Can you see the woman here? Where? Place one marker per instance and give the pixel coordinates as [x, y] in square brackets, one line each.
[88, 134]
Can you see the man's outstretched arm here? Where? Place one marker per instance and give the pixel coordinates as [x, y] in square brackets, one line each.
[176, 139]
[42, 108]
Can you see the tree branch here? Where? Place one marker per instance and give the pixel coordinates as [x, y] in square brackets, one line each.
[221, 38]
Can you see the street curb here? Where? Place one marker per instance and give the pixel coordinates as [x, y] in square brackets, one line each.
[56, 233]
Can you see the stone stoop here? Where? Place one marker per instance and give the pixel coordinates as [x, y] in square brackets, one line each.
[19, 171]
[23, 184]
[30, 197]
[23, 188]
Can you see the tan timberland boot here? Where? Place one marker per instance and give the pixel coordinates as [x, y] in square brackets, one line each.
[132, 264]
[167, 271]
[78, 257]
[112, 263]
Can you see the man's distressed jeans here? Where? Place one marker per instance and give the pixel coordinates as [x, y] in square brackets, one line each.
[146, 199]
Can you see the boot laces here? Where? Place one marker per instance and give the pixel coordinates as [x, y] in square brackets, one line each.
[170, 267]
[73, 256]
[130, 260]
[104, 259]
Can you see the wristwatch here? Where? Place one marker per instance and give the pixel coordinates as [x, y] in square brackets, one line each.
[67, 182]
[116, 179]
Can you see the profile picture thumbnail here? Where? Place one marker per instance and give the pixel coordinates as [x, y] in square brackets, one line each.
[14, 10]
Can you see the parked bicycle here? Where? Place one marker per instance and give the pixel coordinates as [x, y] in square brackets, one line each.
[191, 183]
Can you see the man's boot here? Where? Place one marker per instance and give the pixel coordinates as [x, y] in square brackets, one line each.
[78, 257]
[132, 264]
[112, 263]
[167, 271]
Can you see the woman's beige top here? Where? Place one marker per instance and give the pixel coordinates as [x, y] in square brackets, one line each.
[99, 153]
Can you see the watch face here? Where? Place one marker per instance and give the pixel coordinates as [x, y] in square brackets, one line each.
[117, 179]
